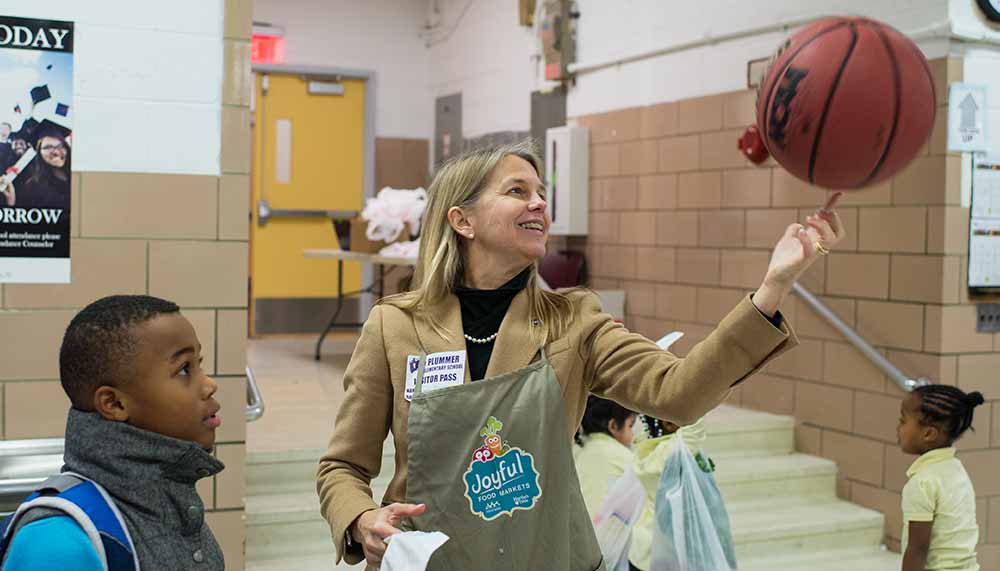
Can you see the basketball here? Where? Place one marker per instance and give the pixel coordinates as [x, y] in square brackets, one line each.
[846, 103]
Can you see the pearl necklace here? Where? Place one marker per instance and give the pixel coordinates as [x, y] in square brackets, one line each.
[481, 341]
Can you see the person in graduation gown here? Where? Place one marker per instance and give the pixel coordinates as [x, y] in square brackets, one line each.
[482, 378]
[46, 181]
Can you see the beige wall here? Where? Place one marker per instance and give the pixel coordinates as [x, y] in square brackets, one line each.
[180, 237]
[669, 185]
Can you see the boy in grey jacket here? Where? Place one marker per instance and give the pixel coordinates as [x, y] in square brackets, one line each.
[142, 425]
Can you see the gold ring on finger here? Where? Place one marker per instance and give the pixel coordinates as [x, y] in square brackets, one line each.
[823, 250]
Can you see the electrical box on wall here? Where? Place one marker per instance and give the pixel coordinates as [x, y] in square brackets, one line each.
[567, 176]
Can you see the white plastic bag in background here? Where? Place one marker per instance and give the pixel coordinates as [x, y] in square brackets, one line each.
[391, 211]
[691, 529]
[618, 514]
[401, 249]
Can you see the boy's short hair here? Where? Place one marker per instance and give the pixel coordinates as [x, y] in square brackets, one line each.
[100, 343]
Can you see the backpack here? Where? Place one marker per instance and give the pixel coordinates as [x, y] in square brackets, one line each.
[91, 508]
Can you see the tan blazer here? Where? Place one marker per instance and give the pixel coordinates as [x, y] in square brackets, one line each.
[596, 355]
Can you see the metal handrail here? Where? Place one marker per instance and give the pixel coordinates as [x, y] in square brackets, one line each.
[24, 465]
[255, 400]
[32, 447]
[859, 342]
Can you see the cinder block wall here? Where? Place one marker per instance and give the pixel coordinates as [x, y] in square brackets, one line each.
[180, 237]
[685, 225]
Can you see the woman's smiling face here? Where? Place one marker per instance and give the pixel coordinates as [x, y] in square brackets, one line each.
[510, 219]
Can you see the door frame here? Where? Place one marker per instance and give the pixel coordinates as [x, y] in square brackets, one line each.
[367, 300]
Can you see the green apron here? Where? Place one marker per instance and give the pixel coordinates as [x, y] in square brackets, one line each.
[492, 462]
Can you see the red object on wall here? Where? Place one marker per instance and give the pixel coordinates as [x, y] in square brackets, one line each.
[267, 49]
[753, 146]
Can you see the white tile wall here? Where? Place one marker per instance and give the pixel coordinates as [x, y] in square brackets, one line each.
[147, 82]
[613, 29]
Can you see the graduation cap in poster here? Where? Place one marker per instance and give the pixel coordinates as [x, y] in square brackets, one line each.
[62, 109]
[40, 93]
[48, 128]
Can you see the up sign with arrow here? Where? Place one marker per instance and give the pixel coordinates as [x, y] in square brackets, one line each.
[967, 118]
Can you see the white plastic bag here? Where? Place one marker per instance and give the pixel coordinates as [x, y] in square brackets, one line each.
[411, 550]
[391, 211]
[691, 531]
[618, 514]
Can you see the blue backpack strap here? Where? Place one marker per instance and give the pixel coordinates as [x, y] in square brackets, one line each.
[54, 485]
[92, 509]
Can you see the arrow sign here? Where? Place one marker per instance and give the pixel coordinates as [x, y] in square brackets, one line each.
[968, 118]
[969, 108]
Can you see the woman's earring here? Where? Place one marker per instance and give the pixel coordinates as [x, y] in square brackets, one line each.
[470, 235]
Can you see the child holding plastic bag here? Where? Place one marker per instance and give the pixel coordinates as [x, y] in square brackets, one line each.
[684, 526]
[614, 496]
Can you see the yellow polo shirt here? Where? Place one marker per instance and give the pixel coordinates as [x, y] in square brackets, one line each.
[600, 461]
[939, 490]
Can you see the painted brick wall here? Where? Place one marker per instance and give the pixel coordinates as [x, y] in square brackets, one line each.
[685, 225]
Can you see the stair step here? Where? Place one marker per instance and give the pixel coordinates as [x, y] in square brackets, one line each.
[282, 508]
[311, 563]
[862, 559]
[775, 477]
[286, 525]
[282, 472]
[294, 471]
[734, 431]
[805, 528]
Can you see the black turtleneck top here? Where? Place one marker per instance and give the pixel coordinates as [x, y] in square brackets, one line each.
[483, 311]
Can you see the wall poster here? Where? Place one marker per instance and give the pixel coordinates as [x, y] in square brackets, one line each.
[36, 117]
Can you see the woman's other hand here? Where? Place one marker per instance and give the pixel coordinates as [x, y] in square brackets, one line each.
[373, 527]
[798, 248]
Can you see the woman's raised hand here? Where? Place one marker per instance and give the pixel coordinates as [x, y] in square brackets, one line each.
[798, 248]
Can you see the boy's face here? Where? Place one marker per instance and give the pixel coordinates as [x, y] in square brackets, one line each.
[169, 393]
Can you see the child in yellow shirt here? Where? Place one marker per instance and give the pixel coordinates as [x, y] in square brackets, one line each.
[939, 504]
[605, 437]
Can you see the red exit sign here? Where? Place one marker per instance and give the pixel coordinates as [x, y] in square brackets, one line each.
[266, 48]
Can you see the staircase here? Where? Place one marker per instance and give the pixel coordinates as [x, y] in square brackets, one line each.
[284, 527]
[782, 505]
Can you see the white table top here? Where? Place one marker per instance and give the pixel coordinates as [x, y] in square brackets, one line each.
[349, 256]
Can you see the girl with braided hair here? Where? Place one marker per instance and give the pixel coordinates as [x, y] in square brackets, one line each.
[939, 504]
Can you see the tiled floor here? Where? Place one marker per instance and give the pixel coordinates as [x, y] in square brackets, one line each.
[301, 395]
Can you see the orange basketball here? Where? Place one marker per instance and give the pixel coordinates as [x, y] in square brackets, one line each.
[846, 103]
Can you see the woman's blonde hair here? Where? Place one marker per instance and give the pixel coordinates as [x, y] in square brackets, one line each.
[440, 263]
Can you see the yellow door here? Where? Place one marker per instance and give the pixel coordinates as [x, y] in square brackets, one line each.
[308, 155]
